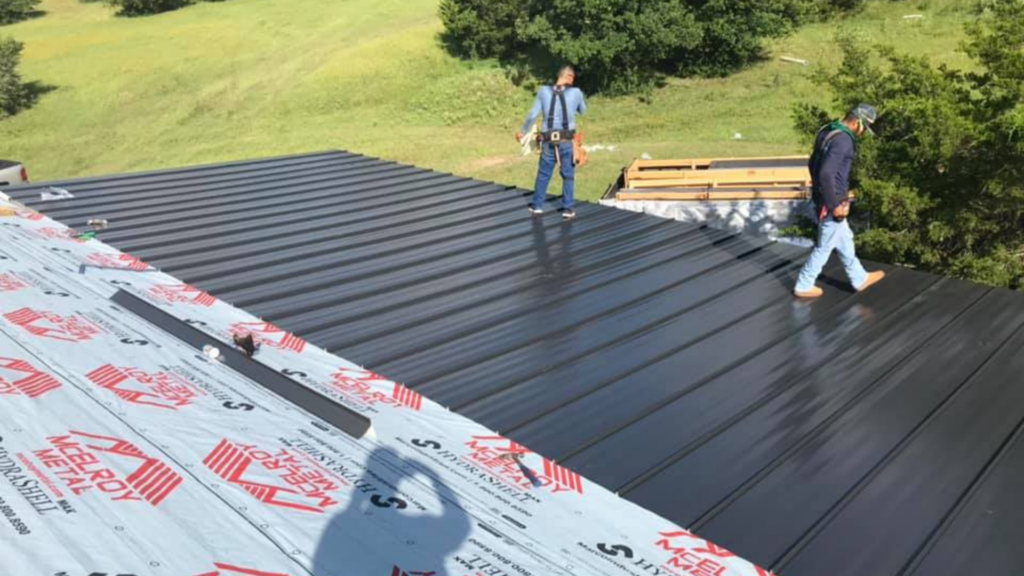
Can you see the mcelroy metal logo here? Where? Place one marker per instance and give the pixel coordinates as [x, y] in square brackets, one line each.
[283, 479]
[363, 386]
[694, 556]
[505, 458]
[266, 334]
[159, 389]
[227, 570]
[408, 397]
[19, 378]
[691, 556]
[117, 468]
[182, 294]
[11, 283]
[505, 461]
[116, 261]
[45, 324]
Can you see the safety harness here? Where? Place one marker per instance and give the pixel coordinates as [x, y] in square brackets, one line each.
[565, 134]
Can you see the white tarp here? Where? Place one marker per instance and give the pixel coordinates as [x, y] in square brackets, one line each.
[124, 451]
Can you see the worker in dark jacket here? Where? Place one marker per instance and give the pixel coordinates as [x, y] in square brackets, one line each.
[560, 104]
[831, 162]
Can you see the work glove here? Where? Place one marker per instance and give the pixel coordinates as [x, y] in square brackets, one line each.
[579, 154]
[841, 212]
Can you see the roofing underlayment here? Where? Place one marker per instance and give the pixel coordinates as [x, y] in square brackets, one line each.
[875, 433]
[136, 441]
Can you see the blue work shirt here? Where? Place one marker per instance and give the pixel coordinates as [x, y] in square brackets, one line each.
[542, 105]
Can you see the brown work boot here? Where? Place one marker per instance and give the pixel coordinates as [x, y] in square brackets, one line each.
[814, 292]
[873, 278]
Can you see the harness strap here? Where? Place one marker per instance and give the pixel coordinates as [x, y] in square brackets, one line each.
[565, 110]
[822, 150]
[557, 96]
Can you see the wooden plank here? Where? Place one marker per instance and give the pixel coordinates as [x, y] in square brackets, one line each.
[694, 172]
[694, 163]
[767, 174]
[704, 195]
[716, 182]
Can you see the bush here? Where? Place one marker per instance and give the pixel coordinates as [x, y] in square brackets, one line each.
[482, 28]
[622, 45]
[12, 92]
[142, 7]
[943, 181]
[16, 10]
[831, 7]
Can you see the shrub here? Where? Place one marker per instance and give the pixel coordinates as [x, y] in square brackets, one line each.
[12, 92]
[943, 181]
[142, 7]
[16, 10]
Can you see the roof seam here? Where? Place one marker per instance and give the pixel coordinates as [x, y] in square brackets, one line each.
[873, 473]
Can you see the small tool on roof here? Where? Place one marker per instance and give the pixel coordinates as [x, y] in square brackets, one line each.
[98, 225]
[517, 457]
[246, 344]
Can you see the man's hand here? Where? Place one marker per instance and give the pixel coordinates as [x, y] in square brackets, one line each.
[519, 137]
[842, 211]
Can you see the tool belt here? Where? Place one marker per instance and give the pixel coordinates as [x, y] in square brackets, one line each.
[556, 136]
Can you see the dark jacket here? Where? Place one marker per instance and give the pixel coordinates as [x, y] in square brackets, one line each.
[830, 167]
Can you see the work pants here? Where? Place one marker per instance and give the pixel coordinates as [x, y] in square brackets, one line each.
[548, 160]
[837, 236]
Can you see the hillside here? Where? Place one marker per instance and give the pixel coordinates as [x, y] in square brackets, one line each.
[229, 80]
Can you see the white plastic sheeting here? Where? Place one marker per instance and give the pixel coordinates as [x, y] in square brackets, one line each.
[125, 451]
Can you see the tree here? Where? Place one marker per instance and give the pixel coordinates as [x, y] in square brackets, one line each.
[142, 7]
[12, 92]
[943, 182]
[622, 45]
[16, 10]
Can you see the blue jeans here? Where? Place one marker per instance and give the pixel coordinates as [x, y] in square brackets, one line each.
[836, 236]
[547, 170]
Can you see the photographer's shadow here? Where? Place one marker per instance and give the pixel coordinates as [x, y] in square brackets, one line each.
[381, 523]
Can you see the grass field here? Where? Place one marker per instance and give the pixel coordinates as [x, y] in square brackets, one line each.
[249, 78]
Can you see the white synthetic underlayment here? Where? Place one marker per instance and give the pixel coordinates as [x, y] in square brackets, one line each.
[124, 451]
[750, 217]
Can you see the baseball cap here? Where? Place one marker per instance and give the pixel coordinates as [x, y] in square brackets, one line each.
[867, 115]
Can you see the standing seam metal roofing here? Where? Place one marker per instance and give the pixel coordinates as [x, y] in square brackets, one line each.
[875, 433]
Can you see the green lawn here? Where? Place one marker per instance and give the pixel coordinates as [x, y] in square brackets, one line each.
[249, 78]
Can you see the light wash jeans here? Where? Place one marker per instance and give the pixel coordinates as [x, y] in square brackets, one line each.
[836, 236]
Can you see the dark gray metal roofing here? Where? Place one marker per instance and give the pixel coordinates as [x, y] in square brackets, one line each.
[875, 433]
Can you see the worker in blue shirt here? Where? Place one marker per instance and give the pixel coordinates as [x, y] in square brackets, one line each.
[560, 104]
[830, 165]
